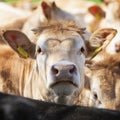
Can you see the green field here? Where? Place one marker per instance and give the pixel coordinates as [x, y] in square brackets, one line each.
[97, 1]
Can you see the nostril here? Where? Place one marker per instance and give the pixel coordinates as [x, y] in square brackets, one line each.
[63, 70]
[72, 70]
[54, 70]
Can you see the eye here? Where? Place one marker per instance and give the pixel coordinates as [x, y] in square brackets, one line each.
[38, 50]
[82, 50]
[96, 98]
[95, 95]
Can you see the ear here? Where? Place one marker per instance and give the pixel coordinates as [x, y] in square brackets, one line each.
[20, 43]
[48, 9]
[97, 12]
[100, 39]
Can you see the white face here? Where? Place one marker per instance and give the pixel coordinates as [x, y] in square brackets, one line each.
[60, 60]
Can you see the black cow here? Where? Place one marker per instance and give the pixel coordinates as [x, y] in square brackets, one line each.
[20, 108]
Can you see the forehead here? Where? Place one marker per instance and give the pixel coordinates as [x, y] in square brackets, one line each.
[65, 39]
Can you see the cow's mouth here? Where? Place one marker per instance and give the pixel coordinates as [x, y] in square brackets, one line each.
[63, 82]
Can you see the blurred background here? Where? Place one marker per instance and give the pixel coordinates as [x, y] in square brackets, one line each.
[97, 1]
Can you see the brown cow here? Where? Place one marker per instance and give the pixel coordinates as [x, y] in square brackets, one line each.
[54, 66]
[105, 82]
[104, 76]
[109, 18]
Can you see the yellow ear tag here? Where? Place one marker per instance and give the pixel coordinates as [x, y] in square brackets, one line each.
[92, 27]
[98, 17]
[97, 50]
[22, 52]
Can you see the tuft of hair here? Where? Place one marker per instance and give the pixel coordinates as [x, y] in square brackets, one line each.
[59, 26]
[110, 61]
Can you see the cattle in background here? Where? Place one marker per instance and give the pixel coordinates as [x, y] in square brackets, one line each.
[113, 14]
[105, 82]
[104, 77]
[19, 108]
[104, 73]
[26, 5]
[10, 15]
[11, 18]
[54, 67]
[74, 7]
[78, 8]
[110, 19]
[26, 21]
[47, 12]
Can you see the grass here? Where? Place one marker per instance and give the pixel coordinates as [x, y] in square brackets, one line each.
[97, 1]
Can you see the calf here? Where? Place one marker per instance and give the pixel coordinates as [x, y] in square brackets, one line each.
[51, 70]
[54, 66]
[105, 82]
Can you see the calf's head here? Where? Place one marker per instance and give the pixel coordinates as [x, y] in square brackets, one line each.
[104, 83]
[59, 55]
[60, 52]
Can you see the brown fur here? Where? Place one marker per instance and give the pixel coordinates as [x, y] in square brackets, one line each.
[56, 26]
[20, 76]
[114, 60]
[9, 72]
[106, 74]
[53, 13]
[5, 77]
